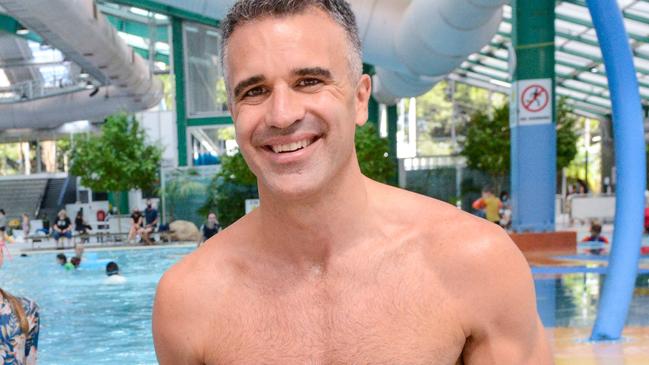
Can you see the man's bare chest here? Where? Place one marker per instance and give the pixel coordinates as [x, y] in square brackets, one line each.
[380, 323]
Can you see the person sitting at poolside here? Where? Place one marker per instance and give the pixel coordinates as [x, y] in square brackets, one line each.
[596, 236]
[19, 328]
[211, 227]
[136, 225]
[112, 271]
[81, 227]
[25, 225]
[62, 228]
[150, 222]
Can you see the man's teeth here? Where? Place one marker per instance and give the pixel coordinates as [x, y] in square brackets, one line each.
[291, 147]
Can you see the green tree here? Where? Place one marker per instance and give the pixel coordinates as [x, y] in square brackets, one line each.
[566, 136]
[229, 190]
[117, 159]
[487, 145]
[9, 158]
[372, 152]
[235, 182]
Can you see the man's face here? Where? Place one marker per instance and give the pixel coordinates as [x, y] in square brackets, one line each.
[294, 104]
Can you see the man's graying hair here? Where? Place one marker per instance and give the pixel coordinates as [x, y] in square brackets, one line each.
[339, 10]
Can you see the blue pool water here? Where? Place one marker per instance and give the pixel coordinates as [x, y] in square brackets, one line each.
[86, 322]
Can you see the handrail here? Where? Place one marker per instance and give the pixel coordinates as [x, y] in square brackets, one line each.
[59, 201]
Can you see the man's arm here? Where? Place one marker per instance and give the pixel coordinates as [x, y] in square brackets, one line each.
[155, 220]
[504, 327]
[174, 333]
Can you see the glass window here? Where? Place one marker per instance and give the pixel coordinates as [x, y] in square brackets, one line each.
[204, 78]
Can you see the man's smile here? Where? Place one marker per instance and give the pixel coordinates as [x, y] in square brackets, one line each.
[292, 146]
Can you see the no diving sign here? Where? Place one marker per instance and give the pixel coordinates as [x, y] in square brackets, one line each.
[535, 101]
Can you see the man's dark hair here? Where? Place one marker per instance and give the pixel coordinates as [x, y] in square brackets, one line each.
[112, 268]
[244, 11]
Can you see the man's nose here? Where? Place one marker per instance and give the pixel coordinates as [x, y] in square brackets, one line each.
[286, 108]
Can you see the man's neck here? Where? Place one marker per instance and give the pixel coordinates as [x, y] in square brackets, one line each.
[306, 232]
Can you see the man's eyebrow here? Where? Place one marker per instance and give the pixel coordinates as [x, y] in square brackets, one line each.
[313, 71]
[247, 82]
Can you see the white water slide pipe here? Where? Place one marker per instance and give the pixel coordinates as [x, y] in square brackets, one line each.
[414, 44]
[84, 36]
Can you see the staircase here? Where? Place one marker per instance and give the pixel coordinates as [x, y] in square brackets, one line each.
[57, 194]
[18, 196]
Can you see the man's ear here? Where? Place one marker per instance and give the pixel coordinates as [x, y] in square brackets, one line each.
[363, 94]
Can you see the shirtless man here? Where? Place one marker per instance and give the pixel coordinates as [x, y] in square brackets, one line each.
[334, 268]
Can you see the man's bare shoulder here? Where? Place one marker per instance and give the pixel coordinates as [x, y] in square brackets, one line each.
[191, 296]
[482, 270]
[452, 239]
[214, 263]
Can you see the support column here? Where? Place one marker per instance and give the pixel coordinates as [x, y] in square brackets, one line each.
[393, 116]
[608, 156]
[39, 160]
[27, 163]
[533, 134]
[179, 82]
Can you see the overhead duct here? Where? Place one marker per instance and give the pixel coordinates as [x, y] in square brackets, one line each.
[85, 37]
[414, 44]
[51, 112]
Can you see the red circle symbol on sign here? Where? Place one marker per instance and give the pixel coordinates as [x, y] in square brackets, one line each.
[535, 98]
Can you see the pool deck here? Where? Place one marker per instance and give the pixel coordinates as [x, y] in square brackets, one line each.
[18, 247]
[571, 347]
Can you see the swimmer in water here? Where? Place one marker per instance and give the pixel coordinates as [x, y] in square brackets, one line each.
[63, 261]
[112, 271]
[332, 267]
[75, 261]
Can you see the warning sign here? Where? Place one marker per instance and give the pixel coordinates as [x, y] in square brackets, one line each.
[534, 101]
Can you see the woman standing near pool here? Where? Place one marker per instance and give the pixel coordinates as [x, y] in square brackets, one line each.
[19, 326]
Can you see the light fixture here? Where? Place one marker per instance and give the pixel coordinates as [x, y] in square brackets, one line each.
[500, 83]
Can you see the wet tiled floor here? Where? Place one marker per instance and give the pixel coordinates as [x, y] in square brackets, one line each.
[570, 347]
